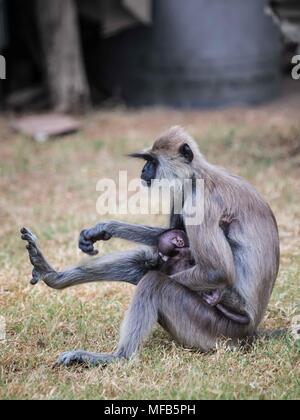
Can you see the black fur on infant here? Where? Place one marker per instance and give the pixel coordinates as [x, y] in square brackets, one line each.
[175, 256]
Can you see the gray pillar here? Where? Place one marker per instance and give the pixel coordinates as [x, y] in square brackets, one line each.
[209, 53]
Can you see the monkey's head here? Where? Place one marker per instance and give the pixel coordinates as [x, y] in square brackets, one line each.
[170, 242]
[173, 156]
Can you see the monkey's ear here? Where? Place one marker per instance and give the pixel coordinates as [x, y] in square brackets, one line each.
[186, 152]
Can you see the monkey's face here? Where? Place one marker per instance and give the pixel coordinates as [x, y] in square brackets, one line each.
[149, 171]
[162, 163]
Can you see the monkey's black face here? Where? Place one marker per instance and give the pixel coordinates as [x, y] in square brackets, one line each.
[150, 168]
[172, 164]
[149, 171]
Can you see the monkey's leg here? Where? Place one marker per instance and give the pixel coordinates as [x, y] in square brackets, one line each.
[138, 323]
[128, 266]
[182, 312]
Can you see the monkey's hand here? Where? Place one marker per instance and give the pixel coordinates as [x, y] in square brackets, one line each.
[89, 236]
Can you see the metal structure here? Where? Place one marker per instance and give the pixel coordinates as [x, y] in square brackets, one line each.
[287, 15]
[208, 54]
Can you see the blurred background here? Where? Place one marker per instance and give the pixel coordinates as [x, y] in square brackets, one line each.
[71, 55]
[111, 75]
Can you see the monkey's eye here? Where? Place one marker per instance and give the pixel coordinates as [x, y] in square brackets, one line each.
[186, 152]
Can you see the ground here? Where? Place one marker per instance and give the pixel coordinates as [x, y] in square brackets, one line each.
[51, 188]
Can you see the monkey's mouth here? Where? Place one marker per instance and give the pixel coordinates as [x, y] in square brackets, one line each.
[165, 258]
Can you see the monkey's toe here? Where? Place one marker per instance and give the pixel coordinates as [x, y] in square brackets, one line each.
[41, 267]
[33, 251]
[28, 236]
[36, 277]
[71, 358]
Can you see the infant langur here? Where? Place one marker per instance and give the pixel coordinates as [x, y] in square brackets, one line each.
[175, 256]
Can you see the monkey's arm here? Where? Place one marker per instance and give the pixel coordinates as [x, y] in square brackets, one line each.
[142, 234]
[214, 259]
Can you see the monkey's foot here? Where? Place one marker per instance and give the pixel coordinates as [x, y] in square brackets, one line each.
[212, 298]
[84, 358]
[41, 267]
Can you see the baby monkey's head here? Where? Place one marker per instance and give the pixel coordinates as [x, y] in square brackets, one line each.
[172, 241]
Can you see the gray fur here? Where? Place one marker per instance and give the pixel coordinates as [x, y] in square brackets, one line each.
[236, 249]
[145, 235]
[129, 266]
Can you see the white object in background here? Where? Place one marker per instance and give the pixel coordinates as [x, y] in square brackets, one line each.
[43, 126]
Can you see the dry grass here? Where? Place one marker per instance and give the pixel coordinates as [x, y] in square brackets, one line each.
[51, 188]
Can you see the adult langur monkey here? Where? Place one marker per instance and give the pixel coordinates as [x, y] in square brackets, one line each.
[235, 248]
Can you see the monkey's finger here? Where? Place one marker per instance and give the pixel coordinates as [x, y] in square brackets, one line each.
[86, 235]
[88, 248]
[86, 245]
[83, 241]
[100, 235]
[92, 253]
[95, 252]
[89, 234]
